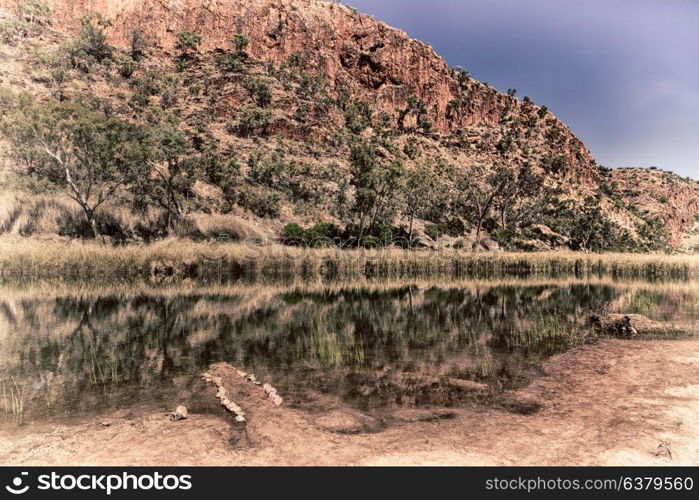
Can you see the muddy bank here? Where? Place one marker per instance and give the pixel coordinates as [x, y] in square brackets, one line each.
[611, 403]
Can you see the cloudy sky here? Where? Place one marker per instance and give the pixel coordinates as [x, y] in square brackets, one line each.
[623, 74]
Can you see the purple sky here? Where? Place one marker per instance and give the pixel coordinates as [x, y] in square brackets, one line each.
[623, 74]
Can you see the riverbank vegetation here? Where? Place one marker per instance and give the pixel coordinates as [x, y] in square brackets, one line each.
[184, 259]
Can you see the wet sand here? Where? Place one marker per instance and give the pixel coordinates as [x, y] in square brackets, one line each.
[610, 403]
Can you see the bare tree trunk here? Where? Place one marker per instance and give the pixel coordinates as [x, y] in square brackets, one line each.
[361, 230]
[90, 216]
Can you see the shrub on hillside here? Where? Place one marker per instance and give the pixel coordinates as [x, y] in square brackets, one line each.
[253, 120]
[554, 164]
[259, 90]
[91, 46]
[434, 231]
[358, 116]
[262, 203]
[187, 42]
[127, 66]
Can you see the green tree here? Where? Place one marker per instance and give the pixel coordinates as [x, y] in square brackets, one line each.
[138, 45]
[461, 75]
[91, 45]
[94, 38]
[232, 62]
[481, 187]
[222, 172]
[419, 191]
[362, 170]
[375, 184]
[517, 189]
[172, 172]
[72, 146]
[589, 228]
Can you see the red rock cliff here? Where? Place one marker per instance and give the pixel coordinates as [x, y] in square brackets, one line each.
[379, 63]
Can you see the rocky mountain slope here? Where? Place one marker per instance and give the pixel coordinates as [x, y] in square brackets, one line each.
[672, 199]
[310, 81]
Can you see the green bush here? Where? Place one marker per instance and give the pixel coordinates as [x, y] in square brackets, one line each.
[434, 231]
[375, 236]
[144, 87]
[230, 63]
[358, 116]
[310, 86]
[259, 90]
[10, 31]
[253, 120]
[148, 84]
[138, 45]
[320, 234]
[90, 47]
[240, 42]
[127, 66]
[411, 150]
[554, 164]
[75, 225]
[293, 233]
[218, 170]
[265, 170]
[187, 42]
[260, 202]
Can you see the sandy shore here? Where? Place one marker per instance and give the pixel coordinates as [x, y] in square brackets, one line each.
[611, 403]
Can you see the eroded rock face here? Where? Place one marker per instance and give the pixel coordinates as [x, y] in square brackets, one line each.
[664, 195]
[375, 62]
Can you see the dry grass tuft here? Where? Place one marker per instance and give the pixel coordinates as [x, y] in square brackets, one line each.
[35, 215]
[224, 227]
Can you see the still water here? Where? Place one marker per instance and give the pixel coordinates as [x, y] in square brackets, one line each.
[71, 353]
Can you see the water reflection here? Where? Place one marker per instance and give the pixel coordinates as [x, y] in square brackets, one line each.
[372, 348]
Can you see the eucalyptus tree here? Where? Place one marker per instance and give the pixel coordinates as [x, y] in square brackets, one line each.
[77, 148]
[419, 192]
[172, 171]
